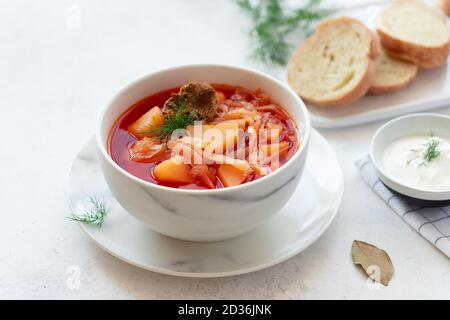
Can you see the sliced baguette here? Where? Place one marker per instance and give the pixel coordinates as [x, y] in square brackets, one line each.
[445, 6]
[416, 32]
[392, 74]
[336, 65]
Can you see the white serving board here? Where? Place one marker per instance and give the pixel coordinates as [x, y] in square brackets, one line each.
[430, 90]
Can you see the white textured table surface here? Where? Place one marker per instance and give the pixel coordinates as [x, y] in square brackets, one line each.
[55, 75]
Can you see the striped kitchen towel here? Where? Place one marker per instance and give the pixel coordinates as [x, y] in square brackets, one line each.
[433, 223]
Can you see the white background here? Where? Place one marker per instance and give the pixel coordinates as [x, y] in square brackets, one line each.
[54, 79]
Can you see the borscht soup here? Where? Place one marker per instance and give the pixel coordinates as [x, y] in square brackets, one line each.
[203, 136]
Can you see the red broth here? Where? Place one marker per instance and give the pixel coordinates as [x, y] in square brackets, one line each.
[121, 139]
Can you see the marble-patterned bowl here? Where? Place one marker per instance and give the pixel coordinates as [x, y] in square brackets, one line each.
[204, 215]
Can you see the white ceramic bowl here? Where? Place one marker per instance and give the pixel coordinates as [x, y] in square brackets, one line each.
[204, 215]
[419, 123]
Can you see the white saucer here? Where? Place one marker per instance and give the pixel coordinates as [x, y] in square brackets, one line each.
[304, 218]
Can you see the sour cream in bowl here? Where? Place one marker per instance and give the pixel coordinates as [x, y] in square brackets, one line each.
[419, 160]
[411, 156]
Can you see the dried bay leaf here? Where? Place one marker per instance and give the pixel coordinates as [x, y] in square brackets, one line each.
[375, 261]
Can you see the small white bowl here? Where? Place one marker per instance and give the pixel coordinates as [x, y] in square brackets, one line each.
[419, 123]
[204, 215]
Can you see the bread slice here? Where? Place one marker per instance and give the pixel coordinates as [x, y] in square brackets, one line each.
[415, 32]
[445, 6]
[336, 65]
[392, 74]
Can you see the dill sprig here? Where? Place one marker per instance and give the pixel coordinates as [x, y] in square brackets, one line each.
[273, 22]
[431, 150]
[95, 215]
[429, 153]
[180, 118]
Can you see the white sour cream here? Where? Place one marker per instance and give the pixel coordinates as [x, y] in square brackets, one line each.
[403, 160]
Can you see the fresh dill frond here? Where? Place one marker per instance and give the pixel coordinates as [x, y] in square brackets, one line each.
[431, 150]
[428, 153]
[95, 215]
[273, 22]
[180, 118]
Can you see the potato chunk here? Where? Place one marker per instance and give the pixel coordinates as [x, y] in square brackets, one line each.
[232, 123]
[229, 131]
[241, 113]
[233, 174]
[152, 118]
[174, 171]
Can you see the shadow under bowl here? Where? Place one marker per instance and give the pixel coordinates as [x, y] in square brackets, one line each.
[419, 202]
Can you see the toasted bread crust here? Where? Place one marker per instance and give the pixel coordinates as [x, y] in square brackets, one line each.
[391, 88]
[358, 91]
[382, 88]
[422, 55]
[445, 6]
[425, 57]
